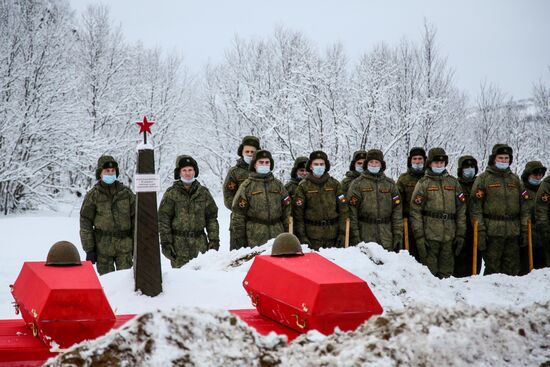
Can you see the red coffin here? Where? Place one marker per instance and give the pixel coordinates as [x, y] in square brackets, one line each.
[65, 305]
[309, 292]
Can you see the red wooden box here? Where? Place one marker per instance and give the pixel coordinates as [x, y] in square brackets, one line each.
[309, 292]
[264, 325]
[65, 305]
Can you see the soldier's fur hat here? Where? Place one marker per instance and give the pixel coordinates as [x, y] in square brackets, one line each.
[501, 149]
[531, 168]
[105, 161]
[185, 161]
[248, 140]
[413, 152]
[300, 162]
[359, 154]
[318, 154]
[377, 155]
[466, 160]
[261, 154]
[437, 155]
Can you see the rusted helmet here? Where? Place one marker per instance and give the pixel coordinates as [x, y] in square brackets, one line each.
[286, 244]
[63, 253]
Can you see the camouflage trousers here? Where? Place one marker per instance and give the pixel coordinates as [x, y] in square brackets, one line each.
[106, 264]
[463, 262]
[187, 249]
[502, 255]
[440, 258]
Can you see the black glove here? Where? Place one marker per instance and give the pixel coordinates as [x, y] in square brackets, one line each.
[397, 244]
[421, 247]
[458, 244]
[524, 240]
[169, 251]
[91, 256]
[214, 245]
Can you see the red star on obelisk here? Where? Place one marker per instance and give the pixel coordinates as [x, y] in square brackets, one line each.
[145, 127]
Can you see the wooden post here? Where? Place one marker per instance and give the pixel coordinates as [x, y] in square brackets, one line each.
[291, 224]
[406, 232]
[530, 244]
[147, 270]
[346, 240]
[474, 254]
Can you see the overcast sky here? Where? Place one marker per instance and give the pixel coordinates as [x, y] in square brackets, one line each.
[506, 42]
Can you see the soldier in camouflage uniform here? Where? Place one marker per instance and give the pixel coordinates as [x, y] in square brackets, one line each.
[416, 165]
[298, 173]
[438, 215]
[375, 205]
[107, 220]
[355, 169]
[542, 208]
[261, 206]
[237, 174]
[186, 210]
[466, 172]
[532, 178]
[320, 206]
[498, 205]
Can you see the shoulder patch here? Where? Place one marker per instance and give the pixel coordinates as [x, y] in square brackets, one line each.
[545, 197]
[231, 186]
[396, 200]
[299, 201]
[243, 203]
[353, 200]
[525, 195]
[479, 194]
[461, 197]
[419, 199]
[287, 200]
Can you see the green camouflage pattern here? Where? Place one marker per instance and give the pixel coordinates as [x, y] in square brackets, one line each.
[320, 199]
[440, 258]
[346, 182]
[542, 208]
[292, 185]
[235, 177]
[375, 197]
[499, 193]
[183, 213]
[260, 210]
[406, 184]
[107, 225]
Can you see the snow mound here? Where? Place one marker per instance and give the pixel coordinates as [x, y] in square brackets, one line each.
[421, 335]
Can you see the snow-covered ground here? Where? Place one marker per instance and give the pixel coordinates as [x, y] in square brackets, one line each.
[484, 320]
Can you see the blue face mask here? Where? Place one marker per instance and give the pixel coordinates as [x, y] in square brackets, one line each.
[417, 167]
[263, 170]
[318, 170]
[108, 179]
[359, 169]
[502, 166]
[187, 182]
[373, 170]
[247, 159]
[438, 170]
[534, 181]
[469, 172]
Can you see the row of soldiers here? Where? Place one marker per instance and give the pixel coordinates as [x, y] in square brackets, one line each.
[324, 212]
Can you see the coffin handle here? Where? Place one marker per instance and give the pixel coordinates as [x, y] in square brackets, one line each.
[253, 299]
[302, 325]
[34, 330]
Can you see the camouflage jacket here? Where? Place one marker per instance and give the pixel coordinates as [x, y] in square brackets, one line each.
[185, 213]
[346, 182]
[260, 209]
[542, 205]
[438, 210]
[498, 204]
[375, 210]
[235, 177]
[291, 186]
[320, 209]
[406, 184]
[107, 219]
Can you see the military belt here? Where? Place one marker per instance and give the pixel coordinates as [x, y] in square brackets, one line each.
[371, 220]
[438, 215]
[322, 223]
[262, 221]
[501, 217]
[190, 234]
[116, 234]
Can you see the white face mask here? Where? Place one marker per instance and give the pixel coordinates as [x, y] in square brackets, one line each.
[417, 167]
[359, 169]
[373, 170]
[469, 172]
[502, 166]
[247, 159]
[438, 170]
[187, 182]
[263, 170]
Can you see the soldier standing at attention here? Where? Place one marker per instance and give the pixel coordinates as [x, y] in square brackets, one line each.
[467, 172]
[298, 173]
[542, 211]
[375, 205]
[532, 178]
[416, 166]
[107, 220]
[501, 213]
[261, 206]
[355, 169]
[320, 206]
[186, 210]
[237, 174]
[438, 215]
